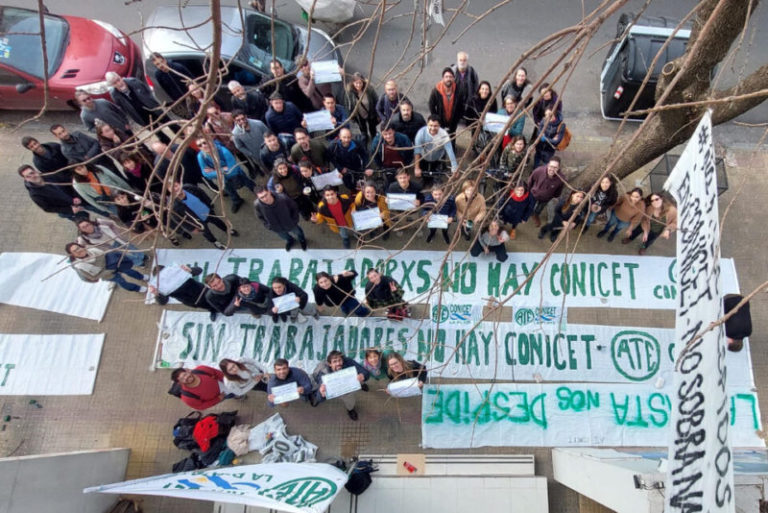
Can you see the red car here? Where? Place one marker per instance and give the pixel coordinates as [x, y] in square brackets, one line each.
[80, 51]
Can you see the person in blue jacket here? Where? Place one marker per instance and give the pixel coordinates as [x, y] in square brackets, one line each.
[551, 132]
[233, 176]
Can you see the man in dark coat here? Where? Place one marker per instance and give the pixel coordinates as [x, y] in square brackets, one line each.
[221, 291]
[48, 159]
[189, 173]
[447, 102]
[135, 98]
[190, 293]
[51, 197]
[466, 78]
[171, 76]
[79, 147]
[193, 210]
[739, 325]
[280, 214]
[252, 102]
[407, 121]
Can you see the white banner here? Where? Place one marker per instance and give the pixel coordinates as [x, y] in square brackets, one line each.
[700, 471]
[45, 282]
[615, 281]
[500, 351]
[49, 364]
[533, 415]
[295, 487]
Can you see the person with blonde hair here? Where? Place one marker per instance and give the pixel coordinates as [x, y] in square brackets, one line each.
[470, 208]
[660, 220]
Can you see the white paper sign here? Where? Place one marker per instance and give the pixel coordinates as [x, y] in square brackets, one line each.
[438, 221]
[285, 393]
[341, 382]
[326, 71]
[294, 487]
[700, 467]
[401, 202]
[170, 278]
[329, 178]
[285, 303]
[318, 121]
[367, 219]
[404, 388]
[495, 122]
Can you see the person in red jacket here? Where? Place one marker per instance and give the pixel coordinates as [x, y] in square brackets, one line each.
[201, 387]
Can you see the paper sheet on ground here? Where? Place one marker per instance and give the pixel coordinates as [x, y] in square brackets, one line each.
[49, 364]
[46, 282]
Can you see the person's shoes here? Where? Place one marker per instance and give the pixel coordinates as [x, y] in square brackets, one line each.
[364, 387]
[316, 315]
[626, 240]
[352, 414]
[213, 316]
[301, 318]
[236, 207]
[430, 237]
[345, 243]
[512, 234]
[314, 401]
[256, 316]
[536, 221]
[186, 235]
[234, 233]
[553, 236]
[145, 261]
[142, 290]
[586, 228]
[611, 237]
[386, 235]
[542, 233]
[445, 237]
[303, 244]
[146, 277]
[175, 242]
[467, 236]
[288, 245]
[641, 251]
[219, 245]
[602, 233]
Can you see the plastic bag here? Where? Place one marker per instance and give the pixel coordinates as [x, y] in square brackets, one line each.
[335, 11]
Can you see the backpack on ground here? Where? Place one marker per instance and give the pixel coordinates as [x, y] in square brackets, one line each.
[183, 432]
[566, 140]
[360, 478]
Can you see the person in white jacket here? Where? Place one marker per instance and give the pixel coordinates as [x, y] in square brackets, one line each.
[242, 376]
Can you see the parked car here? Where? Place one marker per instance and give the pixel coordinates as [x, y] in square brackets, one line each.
[185, 35]
[80, 51]
[627, 62]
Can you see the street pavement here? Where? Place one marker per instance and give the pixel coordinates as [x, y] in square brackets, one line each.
[130, 407]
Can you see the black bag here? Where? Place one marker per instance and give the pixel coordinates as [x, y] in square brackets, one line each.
[183, 432]
[360, 478]
[192, 462]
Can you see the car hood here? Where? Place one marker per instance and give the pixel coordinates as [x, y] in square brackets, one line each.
[90, 53]
[199, 37]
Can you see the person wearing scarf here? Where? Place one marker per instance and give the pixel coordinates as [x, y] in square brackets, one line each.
[447, 102]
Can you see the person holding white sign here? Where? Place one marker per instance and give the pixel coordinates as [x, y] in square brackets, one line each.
[399, 369]
[336, 211]
[338, 291]
[335, 362]
[369, 198]
[243, 376]
[516, 127]
[190, 292]
[282, 288]
[306, 78]
[285, 375]
[437, 203]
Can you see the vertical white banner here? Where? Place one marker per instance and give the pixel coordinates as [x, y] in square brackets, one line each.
[700, 469]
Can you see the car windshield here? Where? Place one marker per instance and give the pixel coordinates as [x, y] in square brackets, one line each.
[258, 49]
[20, 40]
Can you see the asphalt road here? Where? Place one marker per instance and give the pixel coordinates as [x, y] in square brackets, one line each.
[493, 44]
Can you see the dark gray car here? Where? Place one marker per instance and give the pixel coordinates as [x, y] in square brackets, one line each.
[246, 40]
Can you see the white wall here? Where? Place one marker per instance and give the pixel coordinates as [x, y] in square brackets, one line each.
[55, 482]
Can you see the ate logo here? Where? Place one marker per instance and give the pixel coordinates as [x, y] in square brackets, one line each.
[302, 492]
[636, 354]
